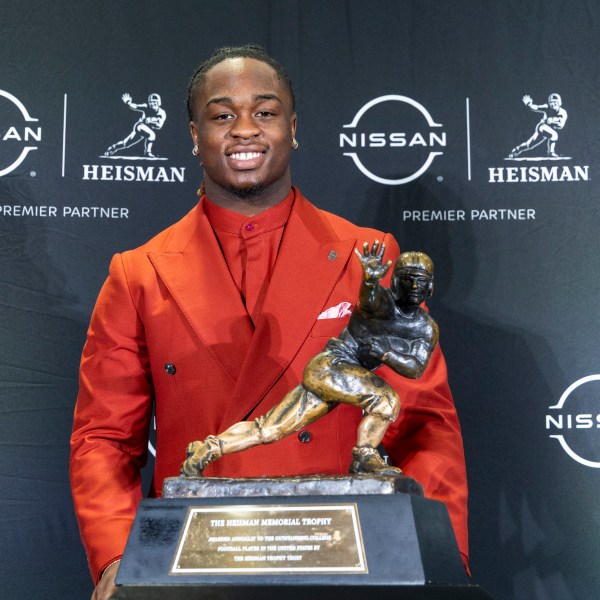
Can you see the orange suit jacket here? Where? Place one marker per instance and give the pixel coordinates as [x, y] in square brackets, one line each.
[169, 328]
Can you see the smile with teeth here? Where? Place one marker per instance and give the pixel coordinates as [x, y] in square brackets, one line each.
[245, 155]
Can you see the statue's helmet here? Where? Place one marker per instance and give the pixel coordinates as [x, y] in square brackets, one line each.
[555, 98]
[154, 98]
[412, 261]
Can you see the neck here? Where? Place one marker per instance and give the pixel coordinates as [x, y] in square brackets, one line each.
[409, 311]
[247, 202]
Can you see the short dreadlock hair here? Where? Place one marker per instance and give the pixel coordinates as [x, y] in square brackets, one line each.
[246, 51]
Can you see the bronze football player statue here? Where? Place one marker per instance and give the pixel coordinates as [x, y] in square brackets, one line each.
[388, 326]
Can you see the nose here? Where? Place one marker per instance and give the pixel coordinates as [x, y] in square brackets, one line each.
[245, 127]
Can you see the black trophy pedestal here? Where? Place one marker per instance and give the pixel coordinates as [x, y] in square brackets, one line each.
[293, 538]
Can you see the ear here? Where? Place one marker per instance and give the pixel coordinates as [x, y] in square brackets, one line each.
[293, 124]
[430, 288]
[194, 132]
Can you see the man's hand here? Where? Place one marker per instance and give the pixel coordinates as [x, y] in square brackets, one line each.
[106, 586]
[126, 98]
[527, 101]
[373, 268]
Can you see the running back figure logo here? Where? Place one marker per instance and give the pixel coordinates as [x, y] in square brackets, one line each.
[387, 327]
[554, 117]
[144, 130]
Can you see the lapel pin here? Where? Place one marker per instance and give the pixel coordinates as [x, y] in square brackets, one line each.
[332, 255]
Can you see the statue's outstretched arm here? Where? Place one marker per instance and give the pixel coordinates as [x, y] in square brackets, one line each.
[369, 295]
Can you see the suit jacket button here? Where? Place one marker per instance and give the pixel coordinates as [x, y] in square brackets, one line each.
[305, 436]
[170, 369]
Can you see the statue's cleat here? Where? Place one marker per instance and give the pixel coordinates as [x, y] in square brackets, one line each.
[367, 460]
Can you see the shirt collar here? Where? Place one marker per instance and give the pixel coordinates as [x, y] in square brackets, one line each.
[234, 222]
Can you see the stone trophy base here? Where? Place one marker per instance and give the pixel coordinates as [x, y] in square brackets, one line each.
[305, 485]
[265, 538]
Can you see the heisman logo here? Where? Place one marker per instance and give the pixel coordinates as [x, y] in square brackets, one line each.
[18, 139]
[553, 119]
[373, 131]
[151, 120]
[578, 419]
[138, 145]
[540, 147]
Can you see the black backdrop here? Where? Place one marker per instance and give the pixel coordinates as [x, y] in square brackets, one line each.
[514, 239]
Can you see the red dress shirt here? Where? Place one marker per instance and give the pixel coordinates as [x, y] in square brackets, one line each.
[250, 246]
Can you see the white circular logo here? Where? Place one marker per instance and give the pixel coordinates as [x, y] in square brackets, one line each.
[390, 153]
[575, 421]
[18, 134]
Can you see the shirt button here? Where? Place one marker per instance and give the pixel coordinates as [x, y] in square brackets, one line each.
[250, 227]
[305, 436]
[170, 369]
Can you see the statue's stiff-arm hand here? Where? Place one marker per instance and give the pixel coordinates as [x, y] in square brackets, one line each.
[372, 262]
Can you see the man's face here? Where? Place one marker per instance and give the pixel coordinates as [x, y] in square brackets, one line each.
[243, 126]
[410, 286]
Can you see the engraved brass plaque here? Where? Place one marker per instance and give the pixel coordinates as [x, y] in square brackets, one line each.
[265, 539]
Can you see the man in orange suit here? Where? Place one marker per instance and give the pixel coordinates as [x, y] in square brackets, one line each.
[214, 320]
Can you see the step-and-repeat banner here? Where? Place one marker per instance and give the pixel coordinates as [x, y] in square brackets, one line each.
[469, 129]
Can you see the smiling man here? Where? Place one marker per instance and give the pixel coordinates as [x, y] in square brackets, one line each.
[214, 320]
[243, 124]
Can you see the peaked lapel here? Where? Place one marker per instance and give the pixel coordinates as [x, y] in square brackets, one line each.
[305, 274]
[194, 271]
